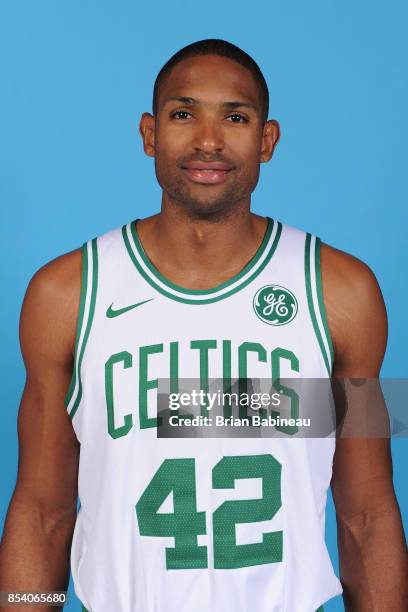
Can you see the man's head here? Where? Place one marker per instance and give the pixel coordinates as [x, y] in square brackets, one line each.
[209, 129]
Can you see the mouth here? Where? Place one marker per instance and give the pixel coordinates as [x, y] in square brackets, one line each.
[208, 173]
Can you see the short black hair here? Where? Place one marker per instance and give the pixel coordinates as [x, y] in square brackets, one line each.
[223, 48]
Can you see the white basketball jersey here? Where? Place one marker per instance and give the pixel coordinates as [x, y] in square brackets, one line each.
[220, 524]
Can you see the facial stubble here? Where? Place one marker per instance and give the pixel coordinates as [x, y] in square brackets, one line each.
[214, 202]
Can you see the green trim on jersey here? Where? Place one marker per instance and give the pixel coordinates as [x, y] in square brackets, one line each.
[322, 308]
[201, 296]
[87, 300]
[84, 284]
[315, 299]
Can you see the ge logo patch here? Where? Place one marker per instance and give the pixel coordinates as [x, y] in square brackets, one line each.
[275, 305]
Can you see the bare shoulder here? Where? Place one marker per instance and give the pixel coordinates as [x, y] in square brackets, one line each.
[355, 311]
[50, 308]
[60, 275]
[348, 279]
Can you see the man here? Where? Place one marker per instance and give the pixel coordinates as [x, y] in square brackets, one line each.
[204, 289]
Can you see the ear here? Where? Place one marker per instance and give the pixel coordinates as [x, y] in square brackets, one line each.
[147, 129]
[270, 137]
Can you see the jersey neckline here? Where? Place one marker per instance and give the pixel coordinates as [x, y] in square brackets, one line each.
[201, 296]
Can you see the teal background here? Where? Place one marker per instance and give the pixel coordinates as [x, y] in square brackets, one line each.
[75, 78]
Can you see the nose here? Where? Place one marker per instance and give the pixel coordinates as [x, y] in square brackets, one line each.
[208, 136]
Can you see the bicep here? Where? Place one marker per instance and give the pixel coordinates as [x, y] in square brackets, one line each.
[48, 448]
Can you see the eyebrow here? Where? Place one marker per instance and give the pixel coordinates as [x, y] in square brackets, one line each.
[230, 104]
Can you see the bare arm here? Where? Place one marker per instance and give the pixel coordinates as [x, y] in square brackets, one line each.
[35, 549]
[372, 548]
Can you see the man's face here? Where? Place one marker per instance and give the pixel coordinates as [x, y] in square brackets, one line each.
[208, 136]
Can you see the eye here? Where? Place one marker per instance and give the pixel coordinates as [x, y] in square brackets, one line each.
[180, 112]
[241, 118]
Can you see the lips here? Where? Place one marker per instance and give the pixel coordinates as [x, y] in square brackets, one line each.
[207, 172]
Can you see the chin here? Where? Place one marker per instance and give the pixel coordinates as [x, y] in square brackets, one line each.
[200, 207]
[210, 211]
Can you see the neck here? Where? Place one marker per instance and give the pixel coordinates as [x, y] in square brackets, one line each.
[199, 253]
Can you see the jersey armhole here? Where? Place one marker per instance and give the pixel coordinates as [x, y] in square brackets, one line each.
[89, 284]
[314, 292]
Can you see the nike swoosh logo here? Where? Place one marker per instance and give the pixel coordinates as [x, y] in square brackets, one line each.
[110, 313]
